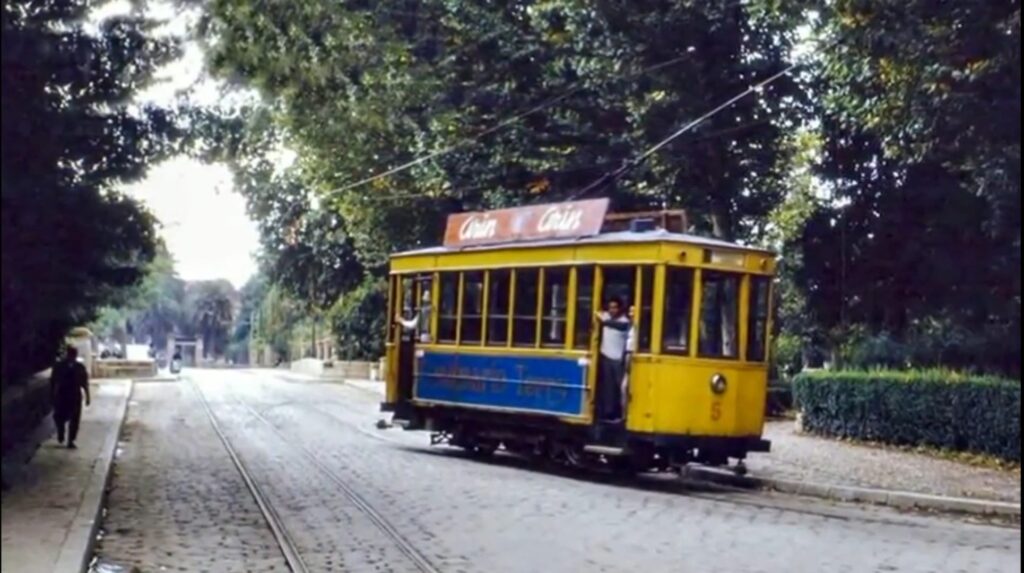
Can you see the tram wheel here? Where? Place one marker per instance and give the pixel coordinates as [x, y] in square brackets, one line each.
[623, 466]
[574, 457]
[485, 450]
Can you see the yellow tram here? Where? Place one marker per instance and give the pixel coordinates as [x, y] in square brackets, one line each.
[493, 340]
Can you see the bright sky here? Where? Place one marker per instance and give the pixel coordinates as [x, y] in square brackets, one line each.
[203, 219]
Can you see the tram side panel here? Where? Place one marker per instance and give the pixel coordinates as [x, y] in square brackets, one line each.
[678, 399]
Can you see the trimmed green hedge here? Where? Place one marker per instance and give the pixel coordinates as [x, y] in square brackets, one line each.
[933, 408]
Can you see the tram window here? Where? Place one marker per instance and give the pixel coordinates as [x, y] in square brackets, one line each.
[675, 336]
[524, 327]
[757, 322]
[719, 315]
[447, 312]
[408, 298]
[584, 306]
[556, 304]
[646, 308]
[498, 307]
[472, 307]
[619, 282]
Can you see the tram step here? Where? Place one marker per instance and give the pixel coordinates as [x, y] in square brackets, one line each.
[604, 450]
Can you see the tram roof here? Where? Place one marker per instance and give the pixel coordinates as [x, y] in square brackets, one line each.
[618, 237]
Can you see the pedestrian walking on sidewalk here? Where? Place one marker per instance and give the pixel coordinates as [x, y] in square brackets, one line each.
[68, 379]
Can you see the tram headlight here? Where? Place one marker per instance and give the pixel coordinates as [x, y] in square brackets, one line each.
[719, 384]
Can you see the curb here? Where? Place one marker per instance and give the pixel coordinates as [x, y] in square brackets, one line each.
[361, 388]
[897, 499]
[155, 379]
[77, 551]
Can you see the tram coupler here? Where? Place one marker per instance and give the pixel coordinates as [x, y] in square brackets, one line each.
[740, 469]
[440, 438]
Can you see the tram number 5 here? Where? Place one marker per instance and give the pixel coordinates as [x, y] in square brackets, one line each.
[716, 411]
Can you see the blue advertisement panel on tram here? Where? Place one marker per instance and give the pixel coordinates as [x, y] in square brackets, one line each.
[545, 385]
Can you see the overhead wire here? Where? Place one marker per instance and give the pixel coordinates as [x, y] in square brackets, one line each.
[501, 125]
[641, 158]
[554, 101]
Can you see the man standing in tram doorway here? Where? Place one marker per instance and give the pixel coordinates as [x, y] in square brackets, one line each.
[68, 379]
[615, 328]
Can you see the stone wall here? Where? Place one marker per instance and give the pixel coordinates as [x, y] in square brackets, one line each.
[348, 369]
[22, 407]
[308, 366]
[337, 369]
[124, 369]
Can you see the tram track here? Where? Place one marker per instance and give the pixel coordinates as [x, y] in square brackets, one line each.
[688, 486]
[288, 548]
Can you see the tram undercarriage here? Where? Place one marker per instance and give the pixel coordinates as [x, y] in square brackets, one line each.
[602, 447]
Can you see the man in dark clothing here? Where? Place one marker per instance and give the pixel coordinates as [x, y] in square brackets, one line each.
[68, 379]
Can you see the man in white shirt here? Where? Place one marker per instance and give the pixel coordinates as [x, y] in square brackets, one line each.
[419, 322]
[615, 327]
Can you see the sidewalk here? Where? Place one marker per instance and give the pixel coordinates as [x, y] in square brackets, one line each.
[797, 456]
[821, 467]
[50, 513]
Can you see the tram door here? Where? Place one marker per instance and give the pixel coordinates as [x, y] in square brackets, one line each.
[619, 284]
[414, 327]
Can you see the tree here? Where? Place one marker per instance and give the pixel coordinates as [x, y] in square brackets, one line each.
[921, 119]
[279, 319]
[359, 321]
[796, 335]
[358, 88]
[251, 297]
[152, 311]
[305, 247]
[71, 244]
[211, 308]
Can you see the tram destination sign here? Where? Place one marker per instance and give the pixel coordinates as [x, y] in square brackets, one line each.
[534, 222]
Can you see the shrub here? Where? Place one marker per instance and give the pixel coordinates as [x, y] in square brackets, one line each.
[934, 408]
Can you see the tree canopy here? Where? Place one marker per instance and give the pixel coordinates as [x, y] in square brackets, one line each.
[921, 126]
[885, 167]
[71, 242]
[904, 181]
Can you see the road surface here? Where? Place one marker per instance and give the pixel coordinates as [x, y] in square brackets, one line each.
[333, 493]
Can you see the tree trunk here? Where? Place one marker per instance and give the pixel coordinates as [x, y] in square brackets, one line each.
[722, 224]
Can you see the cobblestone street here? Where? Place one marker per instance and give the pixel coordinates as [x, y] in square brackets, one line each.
[349, 497]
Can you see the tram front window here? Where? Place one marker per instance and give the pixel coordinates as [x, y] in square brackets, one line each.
[675, 337]
[758, 319]
[408, 298]
[719, 315]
